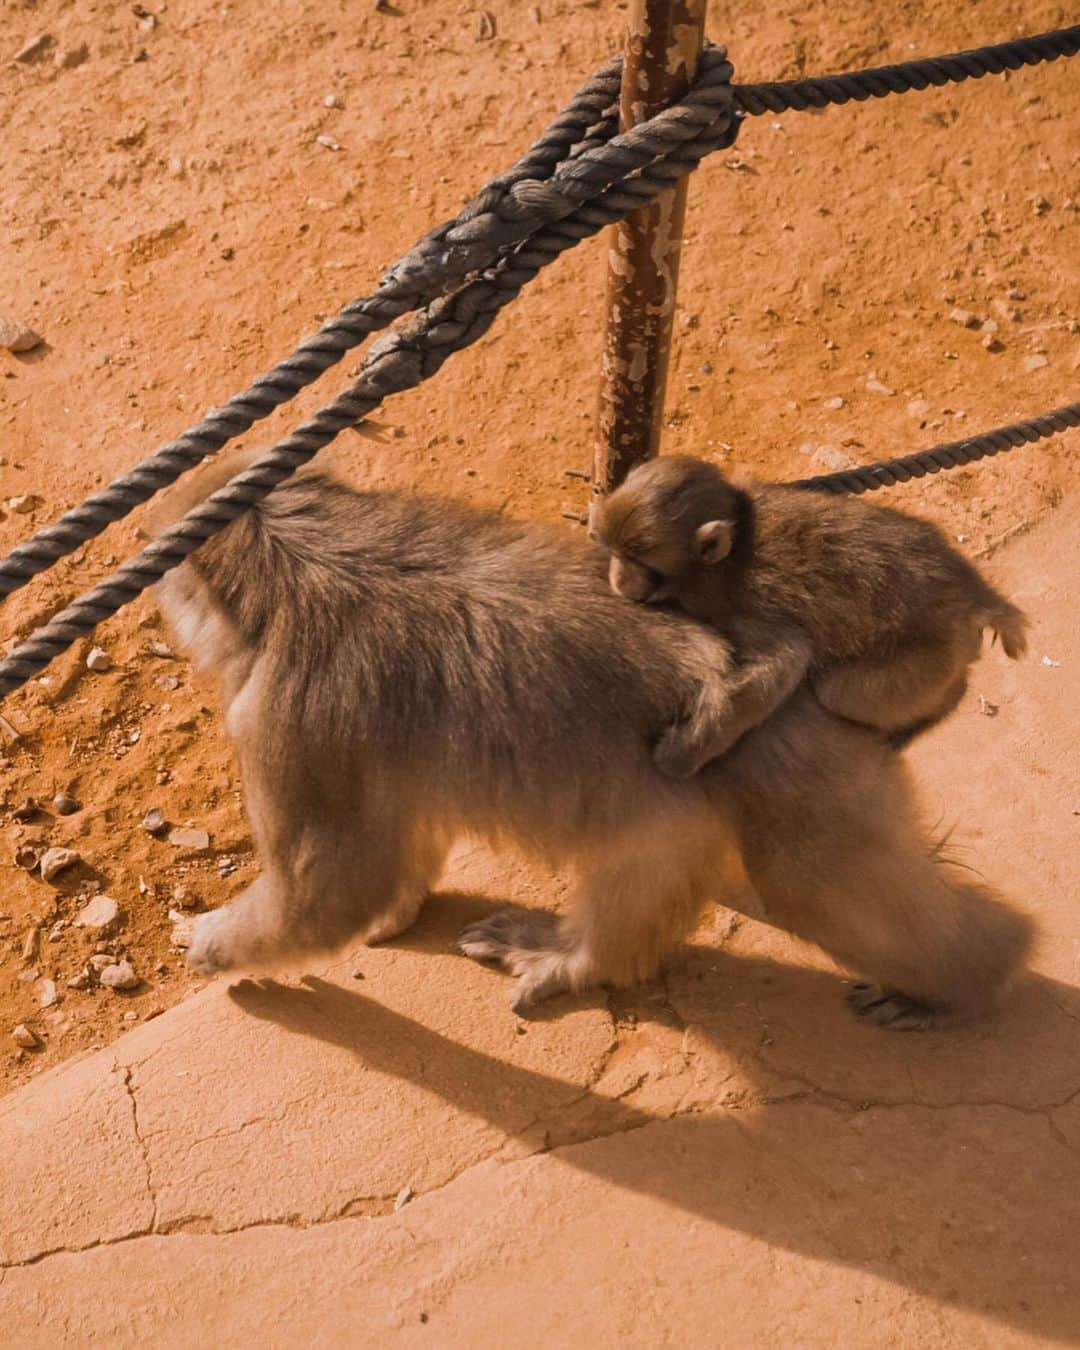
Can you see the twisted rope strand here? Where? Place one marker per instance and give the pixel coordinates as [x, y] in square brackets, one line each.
[417, 279]
[505, 212]
[951, 455]
[905, 76]
[589, 177]
[397, 361]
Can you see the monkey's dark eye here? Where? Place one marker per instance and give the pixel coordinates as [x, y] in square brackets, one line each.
[655, 578]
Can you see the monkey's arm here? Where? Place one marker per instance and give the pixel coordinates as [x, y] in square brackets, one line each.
[730, 702]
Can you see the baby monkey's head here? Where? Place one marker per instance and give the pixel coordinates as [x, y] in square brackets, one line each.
[672, 517]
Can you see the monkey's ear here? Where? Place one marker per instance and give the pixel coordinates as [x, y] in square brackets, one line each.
[714, 540]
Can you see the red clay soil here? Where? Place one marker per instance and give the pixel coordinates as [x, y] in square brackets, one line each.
[172, 226]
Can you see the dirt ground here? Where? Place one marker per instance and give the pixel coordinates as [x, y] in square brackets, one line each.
[172, 226]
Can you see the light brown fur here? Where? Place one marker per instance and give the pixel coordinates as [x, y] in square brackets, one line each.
[398, 671]
[875, 608]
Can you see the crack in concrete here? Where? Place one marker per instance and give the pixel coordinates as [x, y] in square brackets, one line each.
[354, 1208]
[129, 1087]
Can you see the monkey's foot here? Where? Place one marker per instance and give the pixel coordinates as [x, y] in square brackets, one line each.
[892, 1009]
[525, 943]
[209, 948]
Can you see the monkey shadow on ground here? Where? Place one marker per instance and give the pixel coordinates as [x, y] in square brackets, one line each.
[944, 1162]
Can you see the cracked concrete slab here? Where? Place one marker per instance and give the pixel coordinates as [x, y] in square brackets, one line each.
[724, 1152]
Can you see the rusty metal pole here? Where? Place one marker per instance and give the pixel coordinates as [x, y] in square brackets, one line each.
[663, 43]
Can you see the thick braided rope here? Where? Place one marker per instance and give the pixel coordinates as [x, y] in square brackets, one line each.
[503, 213]
[398, 361]
[590, 119]
[858, 85]
[888, 472]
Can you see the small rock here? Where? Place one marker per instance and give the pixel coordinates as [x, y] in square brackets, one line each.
[167, 682]
[131, 1017]
[27, 856]
[992, 343]
[1040, 206]
[332, 101]
[194, 839]
[182, 927]
[101, 961]
[30, 943]
[16, 337]
[1015, 293]
[99, 915]
[68, 58]
[964, 318]
[98, 660]
[35, 49]
[154, 821]
[10, 734]
[119, 976]
[27, 811]
[161, 649]
[25, 1038]
[988, 326]
[47, 993]
[1037, 362]
[918, 407]
[1049, 661]
[80, 981]
[328, 142]
[829, 457]
[403, 1197]
[56, 860]
[64, 805]
[23, 506]
[987, 708]
[876, 387]
[833, 404]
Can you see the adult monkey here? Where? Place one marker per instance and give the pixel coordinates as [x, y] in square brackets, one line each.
[399, 671]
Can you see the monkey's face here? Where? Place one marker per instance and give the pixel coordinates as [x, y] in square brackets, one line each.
[670, 520]
[637, 581]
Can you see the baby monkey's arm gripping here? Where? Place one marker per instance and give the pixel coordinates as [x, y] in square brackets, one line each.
[730, 702]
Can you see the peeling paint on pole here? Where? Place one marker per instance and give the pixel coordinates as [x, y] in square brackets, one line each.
[663, 43]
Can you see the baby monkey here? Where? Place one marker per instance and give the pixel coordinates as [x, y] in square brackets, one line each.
[874, 607]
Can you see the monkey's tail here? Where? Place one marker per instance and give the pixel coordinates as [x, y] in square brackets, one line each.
[194, 489]
[1010, 625]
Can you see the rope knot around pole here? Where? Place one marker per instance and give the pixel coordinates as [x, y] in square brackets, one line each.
[508, 211]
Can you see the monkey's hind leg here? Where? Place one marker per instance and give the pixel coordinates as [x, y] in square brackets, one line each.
[421, 867]
[632, 905]
[832, 845]
[333, 865]
[905, 696]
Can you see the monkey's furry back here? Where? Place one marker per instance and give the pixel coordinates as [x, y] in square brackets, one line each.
[449, 641]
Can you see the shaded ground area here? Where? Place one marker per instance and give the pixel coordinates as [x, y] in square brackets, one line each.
[385, 1151]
